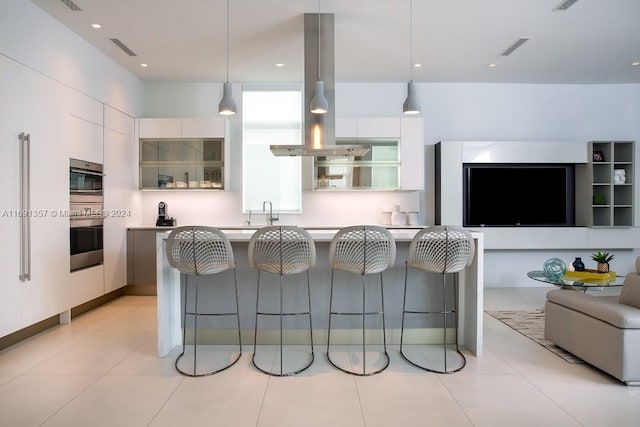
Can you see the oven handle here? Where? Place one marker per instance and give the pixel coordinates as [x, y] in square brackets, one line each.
[86, 172]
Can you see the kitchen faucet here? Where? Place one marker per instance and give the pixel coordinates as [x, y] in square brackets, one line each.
[270, 218]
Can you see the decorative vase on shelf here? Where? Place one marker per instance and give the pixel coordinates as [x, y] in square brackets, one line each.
[554, 269]
[397, 217]
[578, 265]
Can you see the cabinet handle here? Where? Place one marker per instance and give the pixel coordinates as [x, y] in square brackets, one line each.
[25, 196]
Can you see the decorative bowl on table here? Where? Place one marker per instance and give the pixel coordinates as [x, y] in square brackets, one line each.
[554, 269]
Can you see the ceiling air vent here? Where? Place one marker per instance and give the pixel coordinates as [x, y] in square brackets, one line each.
[508, 51]
[566, 4]
[123, 47]
[71, 5]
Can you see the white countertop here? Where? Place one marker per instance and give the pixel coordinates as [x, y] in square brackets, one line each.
[319, 234]
[238, 234]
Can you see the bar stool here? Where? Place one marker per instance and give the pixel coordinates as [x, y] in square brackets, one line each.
[201, 251]
[282, 250]
[444, 250]
[364, 250]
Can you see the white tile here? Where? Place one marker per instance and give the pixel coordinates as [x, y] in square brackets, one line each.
[27, 354]
[409, 400]
[144, 360]
[214, 400]
[320, 400]
[594, 399]
[32, 399]
[96, 354]
[116, 400]
[504, 400]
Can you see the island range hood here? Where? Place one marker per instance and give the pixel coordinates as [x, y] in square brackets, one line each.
[319, 129]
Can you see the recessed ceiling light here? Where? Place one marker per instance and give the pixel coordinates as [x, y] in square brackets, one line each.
[492, 65]
[279, 65]
[417, 65]
[96, 26]
[143, 65]
[636, 63]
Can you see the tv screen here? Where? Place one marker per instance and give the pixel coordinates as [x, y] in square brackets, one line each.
[514, 195]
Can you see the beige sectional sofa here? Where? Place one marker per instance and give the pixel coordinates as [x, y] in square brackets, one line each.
[602, 330]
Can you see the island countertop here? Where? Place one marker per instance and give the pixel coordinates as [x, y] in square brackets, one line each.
[470, 295]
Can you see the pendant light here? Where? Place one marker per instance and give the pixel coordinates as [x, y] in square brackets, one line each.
[319, 103]
[410, 105]
[227, 106]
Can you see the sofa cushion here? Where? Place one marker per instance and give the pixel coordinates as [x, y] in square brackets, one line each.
[605, 308]
[630, 294]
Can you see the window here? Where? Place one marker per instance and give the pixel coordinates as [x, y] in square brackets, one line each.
[271, 117]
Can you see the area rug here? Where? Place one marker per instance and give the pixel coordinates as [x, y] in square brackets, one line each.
[530, 323]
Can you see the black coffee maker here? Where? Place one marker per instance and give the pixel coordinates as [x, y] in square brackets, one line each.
[164, 220]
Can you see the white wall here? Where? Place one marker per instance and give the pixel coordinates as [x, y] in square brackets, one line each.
[32, 37]
[451, 111]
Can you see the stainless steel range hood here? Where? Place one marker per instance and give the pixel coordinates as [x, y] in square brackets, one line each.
[319, 129]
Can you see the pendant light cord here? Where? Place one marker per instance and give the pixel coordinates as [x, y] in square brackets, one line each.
[319, 27]
[227, 41]
[411, 39]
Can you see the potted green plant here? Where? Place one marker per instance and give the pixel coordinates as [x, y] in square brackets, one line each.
[602, 258]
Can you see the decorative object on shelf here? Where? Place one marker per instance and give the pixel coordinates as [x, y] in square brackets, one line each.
[599, 199]
[578, 265]
[598, 156]
[602, 258]
[554, 269]
[619, 176]
[397, 217]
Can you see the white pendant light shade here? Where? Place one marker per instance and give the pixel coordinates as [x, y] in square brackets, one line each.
[227, 105]
[319, 103]
[410, 105]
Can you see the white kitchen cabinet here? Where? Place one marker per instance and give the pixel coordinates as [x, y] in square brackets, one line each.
[29, 103]
[408, 131]
[160, 128]
[203, 127]
[411, 154]
[379, 127]
[10, 117]
[181, 153]
[118, 186]
[187, 127]
[84, 127]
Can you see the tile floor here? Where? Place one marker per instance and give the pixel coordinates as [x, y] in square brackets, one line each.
[101, 370]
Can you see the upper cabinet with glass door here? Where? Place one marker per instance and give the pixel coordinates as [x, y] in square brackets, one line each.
[395, 160]
[181, 154]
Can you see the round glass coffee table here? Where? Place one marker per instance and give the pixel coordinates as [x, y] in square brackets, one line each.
[577, 283]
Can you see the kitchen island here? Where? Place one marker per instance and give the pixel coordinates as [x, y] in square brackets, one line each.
[470, 295]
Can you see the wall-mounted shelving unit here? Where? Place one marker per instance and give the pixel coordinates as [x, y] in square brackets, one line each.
[604, 201]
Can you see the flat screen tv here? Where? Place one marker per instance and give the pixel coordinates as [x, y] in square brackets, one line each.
[513, 195]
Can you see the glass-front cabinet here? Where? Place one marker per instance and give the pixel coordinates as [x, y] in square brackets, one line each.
[379, 169]
[181, 163]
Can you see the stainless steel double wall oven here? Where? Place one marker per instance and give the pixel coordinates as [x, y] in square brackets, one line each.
[85, 214]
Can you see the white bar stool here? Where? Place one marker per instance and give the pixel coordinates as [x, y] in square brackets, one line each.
[282, 250]
[364, 250]
[199, 251]
[443, 250]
